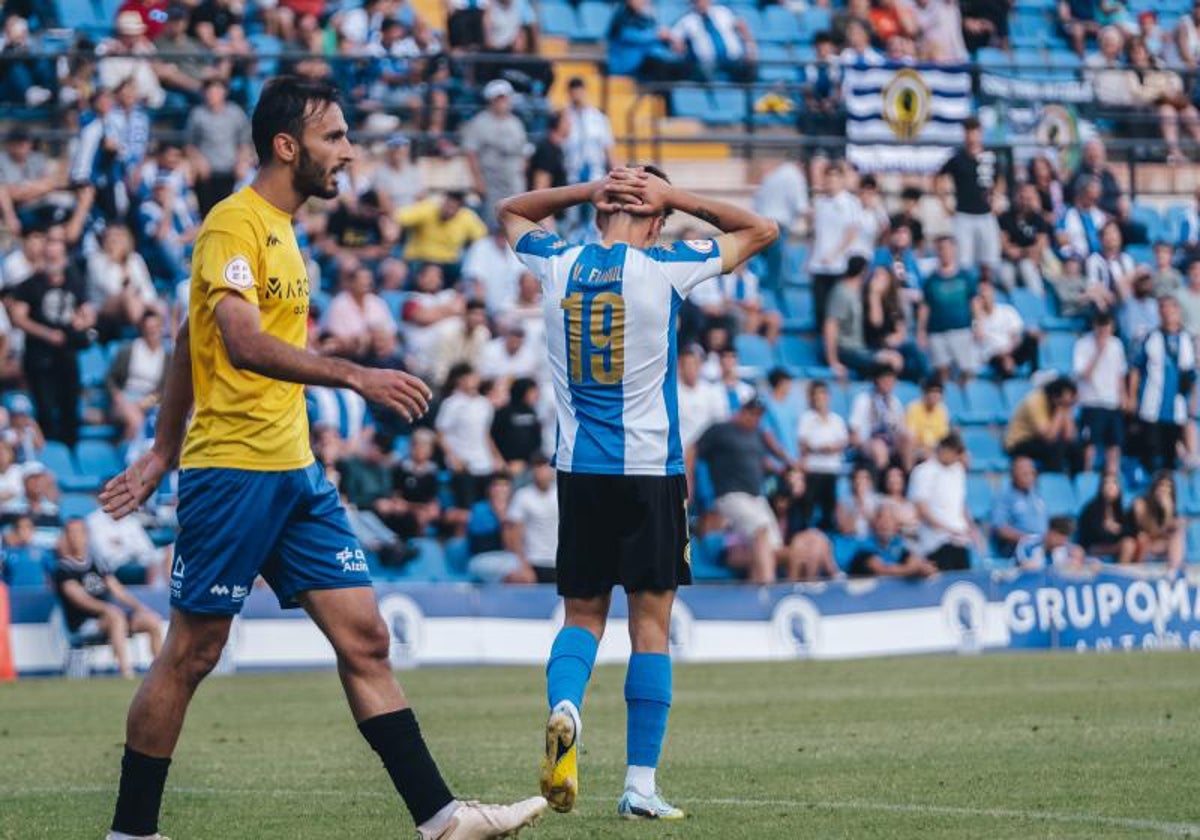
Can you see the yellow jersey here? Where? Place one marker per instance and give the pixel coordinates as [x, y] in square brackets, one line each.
[243, 420]
[432, 239]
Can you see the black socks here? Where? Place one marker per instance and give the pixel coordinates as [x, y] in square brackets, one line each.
[397, 738]
[140, 796]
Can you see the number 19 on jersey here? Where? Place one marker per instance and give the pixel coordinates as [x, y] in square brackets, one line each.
[595, 337]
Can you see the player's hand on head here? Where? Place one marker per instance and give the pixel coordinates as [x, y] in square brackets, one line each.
[124, 494]
[402, 392]
[621, 190]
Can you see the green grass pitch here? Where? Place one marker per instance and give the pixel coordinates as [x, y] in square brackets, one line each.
[1004, 746]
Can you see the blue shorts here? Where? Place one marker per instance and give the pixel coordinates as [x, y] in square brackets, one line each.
[1102, 427]
[234, 525]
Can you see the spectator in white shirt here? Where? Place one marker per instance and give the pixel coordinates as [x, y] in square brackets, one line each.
[823, 441]
[12, 480]
[836, 218]
[533, 514]
[588, 152]
[464, 424]
[938, 487]
[358, 322]
[701, 403]
[1000, 334]
[858, 50]
[123, 546]
[119, 285]
[718, 42]
[396, 180]
[783, 198]
[873, 222]
[130, 56]
[1099, 366]
[877, 424]
[1079, 231]
[138, 375]
[431, 314]
[1111, 271]
[509, 356]
[492, 270]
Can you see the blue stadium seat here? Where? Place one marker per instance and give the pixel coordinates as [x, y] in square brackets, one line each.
[984, 403]
[93, 366]
[267, 49]
[56, 457]
[795, 263]
[594, 18]
[703, 490]
[1014, 391]
[800, 313]
[707, 553]
[991, 58]
[979, 496]
[26, 571]
[778, 72]
[457, 553]
[780, 25]
[1065, 59]
[1176, 215]
[1057, 352]
[1058, 493]
[800, 354]
[839, 400]
[956, 401]
[98, 458]
[76, 505]
[711, 105]
[1141, 254]
[395, 299]
[814, 19]
[1186, 498]
[1087, 484]
[100, 432]
[319, 301]
[907, 392]
[1193, 539]
[844, 549]
[557, 19]
[88, 15]
[1149, 216]
[1032, 307]
[753, 351]
[985, 449]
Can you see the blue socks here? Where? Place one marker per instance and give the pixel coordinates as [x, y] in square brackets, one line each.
[648, 701]
[570, 666]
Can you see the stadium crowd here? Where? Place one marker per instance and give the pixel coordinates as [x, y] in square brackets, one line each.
[849, 402]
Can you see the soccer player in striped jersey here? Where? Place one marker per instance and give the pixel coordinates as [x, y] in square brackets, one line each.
[610, 312]
[251, 499]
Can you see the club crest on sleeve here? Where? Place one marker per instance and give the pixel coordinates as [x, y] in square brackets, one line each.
[700, 246]
[238, 273]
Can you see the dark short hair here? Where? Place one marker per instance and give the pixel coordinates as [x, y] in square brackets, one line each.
[576, 82]
[971, 124]
[1102, 319]
[1063, 525]
[777, 375]
[285, 104]
[868, 182]
[856, 266]
[456, 195]
[556, 120]
[933, 383]
[823, 37]
[911, 193]
[1059, 387]
[945, 237]
[816, 385]
[952, 442]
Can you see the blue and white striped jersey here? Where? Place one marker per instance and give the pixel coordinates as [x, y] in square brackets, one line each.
[610, 315]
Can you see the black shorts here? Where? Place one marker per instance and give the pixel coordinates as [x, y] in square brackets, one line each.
[630, 530]
[1102, 426]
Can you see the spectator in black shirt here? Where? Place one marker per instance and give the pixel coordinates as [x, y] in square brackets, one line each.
[548, 167]
[95, 603]
[1024, 238]
[358, 227]
[51, 308]
[516, 429]
[413, 506]
[1102, 523]
[910, 202]
[972, 172]
[211, 21]
[985, 23]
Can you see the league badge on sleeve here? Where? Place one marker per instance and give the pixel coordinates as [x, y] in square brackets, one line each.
[238, 273]
[700, 246]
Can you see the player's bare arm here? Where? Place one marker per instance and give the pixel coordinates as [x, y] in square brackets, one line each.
[524, 212]
[743, 233]
[126, 492]
[250, 348]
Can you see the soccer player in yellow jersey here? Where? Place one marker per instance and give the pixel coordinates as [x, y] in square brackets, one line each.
[251, 499]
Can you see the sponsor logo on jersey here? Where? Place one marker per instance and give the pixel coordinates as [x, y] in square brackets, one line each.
[238, 273]
[272, 240]
[291, 290]
[700, 246]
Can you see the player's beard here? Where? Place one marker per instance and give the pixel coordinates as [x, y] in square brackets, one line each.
[310, 179]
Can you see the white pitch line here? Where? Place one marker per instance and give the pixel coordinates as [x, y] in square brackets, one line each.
[1170, 829]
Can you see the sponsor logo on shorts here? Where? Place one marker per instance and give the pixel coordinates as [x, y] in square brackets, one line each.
[177, 569]
[352, 560]
[219, 589]
[239, 593]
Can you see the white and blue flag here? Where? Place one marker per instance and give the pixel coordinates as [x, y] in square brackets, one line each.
[610, 315]
[904, 118]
